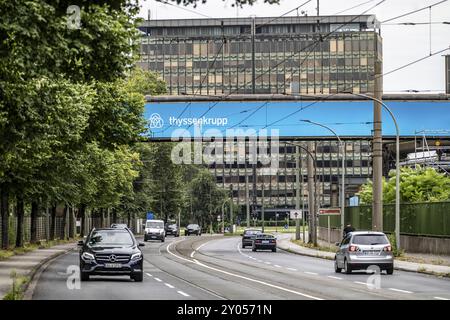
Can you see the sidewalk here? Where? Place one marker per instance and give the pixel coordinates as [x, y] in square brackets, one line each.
[27, 264]
[284, 242]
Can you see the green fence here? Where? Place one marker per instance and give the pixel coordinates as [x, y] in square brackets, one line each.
[424, 219]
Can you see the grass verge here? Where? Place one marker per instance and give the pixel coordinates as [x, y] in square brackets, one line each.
[311, 246]
[6, 254]
[18, 287]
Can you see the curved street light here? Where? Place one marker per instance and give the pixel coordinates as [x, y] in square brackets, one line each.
[397, 165]
[343, 170]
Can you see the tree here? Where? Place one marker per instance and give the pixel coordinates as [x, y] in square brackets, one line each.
[416, 185]
[48, 74]
[206, 197]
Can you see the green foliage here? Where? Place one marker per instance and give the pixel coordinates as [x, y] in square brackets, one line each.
[239, 3]
[145, 83]
[395, 250]
[68, 112]
[206, 197]
[416, 185]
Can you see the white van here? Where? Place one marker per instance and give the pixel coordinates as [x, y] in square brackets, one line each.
[154, 230]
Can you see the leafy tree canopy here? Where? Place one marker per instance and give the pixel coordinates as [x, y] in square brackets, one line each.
[416, 185]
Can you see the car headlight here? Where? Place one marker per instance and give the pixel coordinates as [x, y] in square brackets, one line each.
[136, 256]
[86, 256]
[161, 232]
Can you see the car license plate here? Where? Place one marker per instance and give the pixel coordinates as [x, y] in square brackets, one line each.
[371, 253]
[265, 241]
[153, 237]
[113, 265]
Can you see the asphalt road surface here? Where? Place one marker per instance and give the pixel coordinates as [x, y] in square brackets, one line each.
[216, 267]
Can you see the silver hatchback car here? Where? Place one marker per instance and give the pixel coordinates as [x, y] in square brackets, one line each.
[361, 249]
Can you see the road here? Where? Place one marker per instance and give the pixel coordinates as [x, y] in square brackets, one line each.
[215, 267]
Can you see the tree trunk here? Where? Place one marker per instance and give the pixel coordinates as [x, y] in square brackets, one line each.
[53, 223]
[129, 219]
[20, 217]
[72, 223]
[82, 212]
[4, 206]
[63, 234]
[33, 226]
[102, 218]
[114, 215]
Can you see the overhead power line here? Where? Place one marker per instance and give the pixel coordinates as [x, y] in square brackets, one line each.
[414, 11]
[312, 46]
[416, 23]
[284, 14]
[183, 8]
[354, 7]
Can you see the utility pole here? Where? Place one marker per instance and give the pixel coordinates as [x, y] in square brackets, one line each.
[231, 209]
[247, 200]
[311, 197]
[297, 192]
[253, 55]
[377, 152]
[318, 7]
[262, 205]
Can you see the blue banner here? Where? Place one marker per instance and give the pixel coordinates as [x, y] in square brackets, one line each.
[347, 118]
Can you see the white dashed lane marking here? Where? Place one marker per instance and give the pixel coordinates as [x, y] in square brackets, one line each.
[183, 293]
[158, 279]
[169, 285]
[332, 277]
[292, 269]
[359, 282]
[149, 274]
[399, 290]
[275, 265]
[313, 273]
[440, 298]
[267, 262]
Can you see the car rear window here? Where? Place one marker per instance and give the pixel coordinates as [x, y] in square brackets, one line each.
[265, 236]
[370, 239]
[252, 232]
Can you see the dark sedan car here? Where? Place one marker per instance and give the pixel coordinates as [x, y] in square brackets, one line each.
[172, 229]
[193, 229]
[248, 235]
[111, 251]
[264, 241]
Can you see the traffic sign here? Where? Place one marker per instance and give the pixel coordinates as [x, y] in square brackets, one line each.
[295, 214]
[330, 211]
[150, 215]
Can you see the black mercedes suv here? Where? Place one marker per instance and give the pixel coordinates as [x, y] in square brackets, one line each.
[111, 251]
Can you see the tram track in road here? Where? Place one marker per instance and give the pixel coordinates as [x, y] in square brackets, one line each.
[179, 278]
[312, 282]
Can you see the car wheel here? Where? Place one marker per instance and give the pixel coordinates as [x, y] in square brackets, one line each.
[274, 250]
[243, 246]
[138, 277]
[163, 239]
[254, 249]
[390, 270]
[84, 276]
[347, 267]
[336, 268]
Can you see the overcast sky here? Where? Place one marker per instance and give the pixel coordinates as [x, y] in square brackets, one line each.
[401, 44]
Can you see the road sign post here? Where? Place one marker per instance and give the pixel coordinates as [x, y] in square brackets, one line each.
[329, 212]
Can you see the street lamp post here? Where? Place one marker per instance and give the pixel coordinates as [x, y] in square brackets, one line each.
[397, 166]
[223, 214]
[343, 170]
[312, 215]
